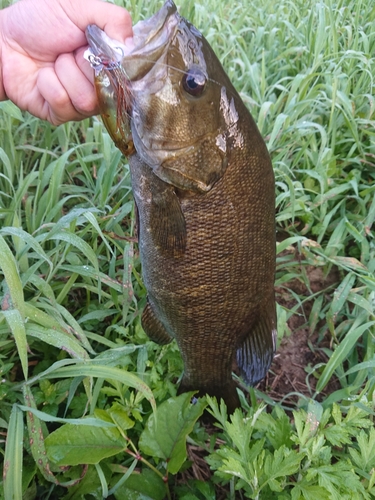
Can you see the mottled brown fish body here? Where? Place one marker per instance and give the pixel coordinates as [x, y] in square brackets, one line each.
[204, 189]
[214, 295]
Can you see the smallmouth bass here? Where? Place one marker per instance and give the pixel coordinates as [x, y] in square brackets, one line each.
[203, 186]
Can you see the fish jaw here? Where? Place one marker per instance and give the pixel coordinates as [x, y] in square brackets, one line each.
[149, 36]
[105, 56]
[103, 52]
[117, 65]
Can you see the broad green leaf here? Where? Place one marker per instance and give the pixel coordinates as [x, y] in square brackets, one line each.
[77, 444]
[205, 488]
[284, 462]
[365, 457]
[145, 485]
[314, 415]
[88, 487]
[120, 417]
[12, 472]
[249, 472]
[277, 427]
[240, 431]
[305, 491]
[337, 478]
[166, 430]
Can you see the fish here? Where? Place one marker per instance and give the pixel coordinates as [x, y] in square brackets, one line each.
[204, 192]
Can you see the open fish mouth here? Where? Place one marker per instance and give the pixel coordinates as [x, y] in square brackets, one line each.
[142, 84]
[150, 39]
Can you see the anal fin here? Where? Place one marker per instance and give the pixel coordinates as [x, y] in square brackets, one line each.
[254, 356]
[153, 327]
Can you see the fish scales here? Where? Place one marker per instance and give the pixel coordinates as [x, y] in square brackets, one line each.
[203, 186]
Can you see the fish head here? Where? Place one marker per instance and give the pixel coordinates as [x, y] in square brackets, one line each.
[171, 96]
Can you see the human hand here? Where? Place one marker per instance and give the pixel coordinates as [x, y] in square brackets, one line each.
[42, 45]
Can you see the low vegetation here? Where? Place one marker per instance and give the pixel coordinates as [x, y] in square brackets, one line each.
[88, 404]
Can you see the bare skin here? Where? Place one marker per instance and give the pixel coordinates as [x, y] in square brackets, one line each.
[41, 50]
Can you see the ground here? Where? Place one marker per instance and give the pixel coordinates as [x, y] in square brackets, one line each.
[299, 352]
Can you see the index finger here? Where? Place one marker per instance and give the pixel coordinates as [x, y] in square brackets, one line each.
[114, 20]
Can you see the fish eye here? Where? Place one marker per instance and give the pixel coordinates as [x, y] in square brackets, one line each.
[194, 82]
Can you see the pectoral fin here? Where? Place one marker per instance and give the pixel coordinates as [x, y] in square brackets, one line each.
[154, 327]
[167, 222]
[159, 210]
[255, 355]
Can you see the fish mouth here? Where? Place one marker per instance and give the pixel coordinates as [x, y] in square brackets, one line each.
[150, 39]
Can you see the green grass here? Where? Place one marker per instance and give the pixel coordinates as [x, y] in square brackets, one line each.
[71, 291]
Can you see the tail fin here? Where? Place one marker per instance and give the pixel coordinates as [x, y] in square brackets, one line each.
[255, 355]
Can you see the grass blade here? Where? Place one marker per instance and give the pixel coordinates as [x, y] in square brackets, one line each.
[107, 372]
[13, 305]
[36, 437]
[342, 352]
[14, 456]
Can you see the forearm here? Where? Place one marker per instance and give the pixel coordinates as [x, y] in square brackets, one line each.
[3, 95]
